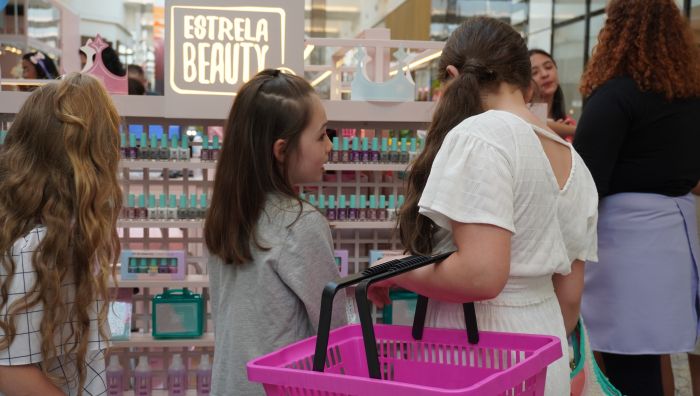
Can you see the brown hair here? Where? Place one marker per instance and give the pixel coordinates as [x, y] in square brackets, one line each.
[271, 106]
[59, 167]
[486, 52]
[650, 42]
[558, 109]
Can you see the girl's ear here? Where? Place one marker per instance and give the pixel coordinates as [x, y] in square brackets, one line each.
[278, 149]
[452, 71]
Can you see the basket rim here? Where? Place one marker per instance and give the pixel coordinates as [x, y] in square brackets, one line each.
[540, 358]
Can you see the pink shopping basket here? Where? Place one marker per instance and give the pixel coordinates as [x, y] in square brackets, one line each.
[376, 360]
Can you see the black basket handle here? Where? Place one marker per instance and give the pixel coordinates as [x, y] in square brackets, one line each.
[329, 292]
[363, 306]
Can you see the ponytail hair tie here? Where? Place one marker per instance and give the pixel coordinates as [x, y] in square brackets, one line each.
[480, 71]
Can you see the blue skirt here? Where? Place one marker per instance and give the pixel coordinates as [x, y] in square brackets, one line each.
[642, 295]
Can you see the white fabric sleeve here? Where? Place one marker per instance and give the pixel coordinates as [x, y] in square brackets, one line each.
[471, 181]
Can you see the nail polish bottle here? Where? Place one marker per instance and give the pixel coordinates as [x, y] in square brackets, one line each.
[216, 150]
[143, 151]
[345, 154]
[372, 210]
[152, 210]
[164, 152]
[202, 210]
[130, 207]
[174, 150]
[322, 204]
[374, 154]
[172, 207]
[172, 265]
[312, 200]
[391, 208]
[381, 210]
[399, 202]
[362, 210]
[342, 211]
[142, 210]
[182, 208]
[192, 211]
[335, 153]
[123, 150]
[133, 150]
[394, 153]
[355, 153]
[153, 150]
[143, 266]
[184, 152]
[133, 266]
[365, 153]
[403, 157]
[331, 213]
[162, 266]
[156, 266]
[413, 152]
[162, 212]
[384, 153]
[352, 212]
[205, 154]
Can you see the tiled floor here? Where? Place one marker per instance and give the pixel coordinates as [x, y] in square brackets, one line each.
[681, 374]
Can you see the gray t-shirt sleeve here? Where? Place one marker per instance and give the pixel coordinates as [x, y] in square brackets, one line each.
[307, 264]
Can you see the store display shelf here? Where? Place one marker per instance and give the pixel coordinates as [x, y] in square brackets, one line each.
[365, 167]
[375, 113]
[190, 281]
[145, 223]
[362, 225]
[147, 341]
[194, 163]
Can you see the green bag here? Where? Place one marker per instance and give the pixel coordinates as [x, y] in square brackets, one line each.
[586, 377]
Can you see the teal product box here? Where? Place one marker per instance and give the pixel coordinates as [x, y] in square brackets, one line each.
[402, 308]
[153, 264]
[341, 260]
[177, 314]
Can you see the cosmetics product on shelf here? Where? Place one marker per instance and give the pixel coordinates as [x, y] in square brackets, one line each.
[141, 209]
[145, 264]
[119, 314]
[143, 150]
[331, 212]
[205, 153]
[215, 150]
[362, 209]
[312, 200]
[130, 209]
[202, 209]
[123, 149]
[322, 203]
[341, 211]
[204, 376]
[153, 150]
[399, 202]
[374, 154]
[142, 377]
[355, 153]
[381, 210]
[177, 314]
[372, 210]
[365, 153]
[183, 153]
[182, 208]
[345, 154]
[177, 377]
[115, 377]
[162, 211]
[164, 150]
[152, 210]
[192, 210]
[384, 153]
[403, 155]
[174, 153]
[352, 211]
[334, 155]
[391, 208]
[133, 150]
[172, 208]
[394, 153]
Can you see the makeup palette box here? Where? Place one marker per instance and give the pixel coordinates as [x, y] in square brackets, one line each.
[153, 264]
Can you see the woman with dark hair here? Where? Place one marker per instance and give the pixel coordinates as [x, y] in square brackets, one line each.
[37, 66]
[545, 74]
[508, 195]
[638, 135]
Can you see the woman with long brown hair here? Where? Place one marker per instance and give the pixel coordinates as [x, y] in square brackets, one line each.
[59, 201]
[508, 194]
[638, 135]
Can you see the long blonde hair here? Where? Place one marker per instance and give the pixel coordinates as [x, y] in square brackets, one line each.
[58, 168]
